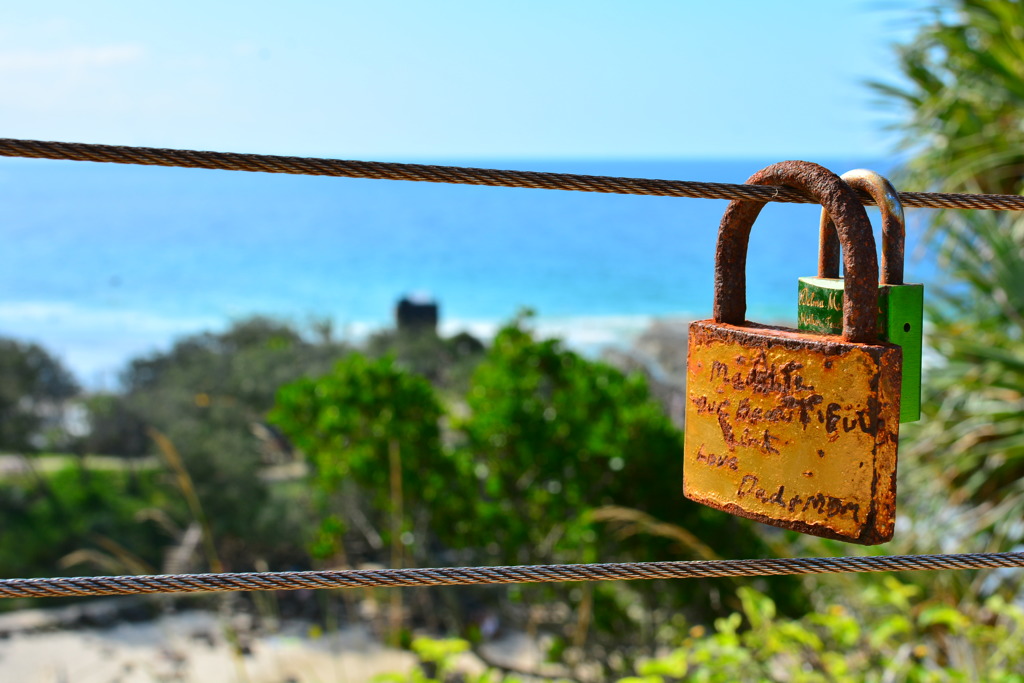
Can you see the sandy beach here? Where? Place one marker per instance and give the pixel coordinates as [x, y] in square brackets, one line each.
[192, 646]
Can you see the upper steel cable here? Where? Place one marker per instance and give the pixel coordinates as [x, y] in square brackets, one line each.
[152, 156]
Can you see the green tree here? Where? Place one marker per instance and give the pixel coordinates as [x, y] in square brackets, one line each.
[372, 425]
[552, 437]
[34, 389]
[372, 433]
[447, 362]
[209, 394]
[115, 428]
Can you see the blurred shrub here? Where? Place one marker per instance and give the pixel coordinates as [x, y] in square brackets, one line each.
[34, 389]
[891, 632]
[447, 363]
[47, 516]
[376, 428]
[209, 395]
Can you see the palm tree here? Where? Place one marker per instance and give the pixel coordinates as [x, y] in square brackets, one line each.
[962, 108]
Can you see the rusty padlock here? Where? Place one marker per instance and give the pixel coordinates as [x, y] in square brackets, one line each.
[788, 428]
[900, 305]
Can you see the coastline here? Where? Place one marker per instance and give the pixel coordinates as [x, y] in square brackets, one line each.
[97, 345]
[108, 262]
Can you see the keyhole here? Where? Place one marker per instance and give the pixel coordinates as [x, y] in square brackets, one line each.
[906, 327]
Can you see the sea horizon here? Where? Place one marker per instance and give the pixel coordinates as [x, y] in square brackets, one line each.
[105, 263]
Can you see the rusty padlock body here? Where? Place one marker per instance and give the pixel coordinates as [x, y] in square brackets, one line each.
[793, 429]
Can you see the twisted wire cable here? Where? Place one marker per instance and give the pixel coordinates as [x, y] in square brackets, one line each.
[193, 583]
[152, 156]
[460, 576]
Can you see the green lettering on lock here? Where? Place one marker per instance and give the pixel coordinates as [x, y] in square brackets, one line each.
[900, 319]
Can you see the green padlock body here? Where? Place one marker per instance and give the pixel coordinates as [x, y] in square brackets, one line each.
[900, 320]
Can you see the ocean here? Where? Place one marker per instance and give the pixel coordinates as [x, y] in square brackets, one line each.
[102, 263]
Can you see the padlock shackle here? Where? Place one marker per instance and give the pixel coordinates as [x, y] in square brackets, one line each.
[893, 228]
[860, 300]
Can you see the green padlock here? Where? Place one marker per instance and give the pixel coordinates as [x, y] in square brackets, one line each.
[900, 305]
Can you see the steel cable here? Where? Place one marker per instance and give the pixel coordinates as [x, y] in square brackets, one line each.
[460, 576]
[152, 156]
[193, 583]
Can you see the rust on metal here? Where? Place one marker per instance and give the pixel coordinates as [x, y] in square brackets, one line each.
[893, 228]
[860, 323]
[794, 430]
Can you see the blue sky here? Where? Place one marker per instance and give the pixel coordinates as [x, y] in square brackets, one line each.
[438, 79]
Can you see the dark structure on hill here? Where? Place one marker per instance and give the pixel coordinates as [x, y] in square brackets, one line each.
[417, 313]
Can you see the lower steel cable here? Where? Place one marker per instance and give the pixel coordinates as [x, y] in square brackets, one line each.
[459, 576]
